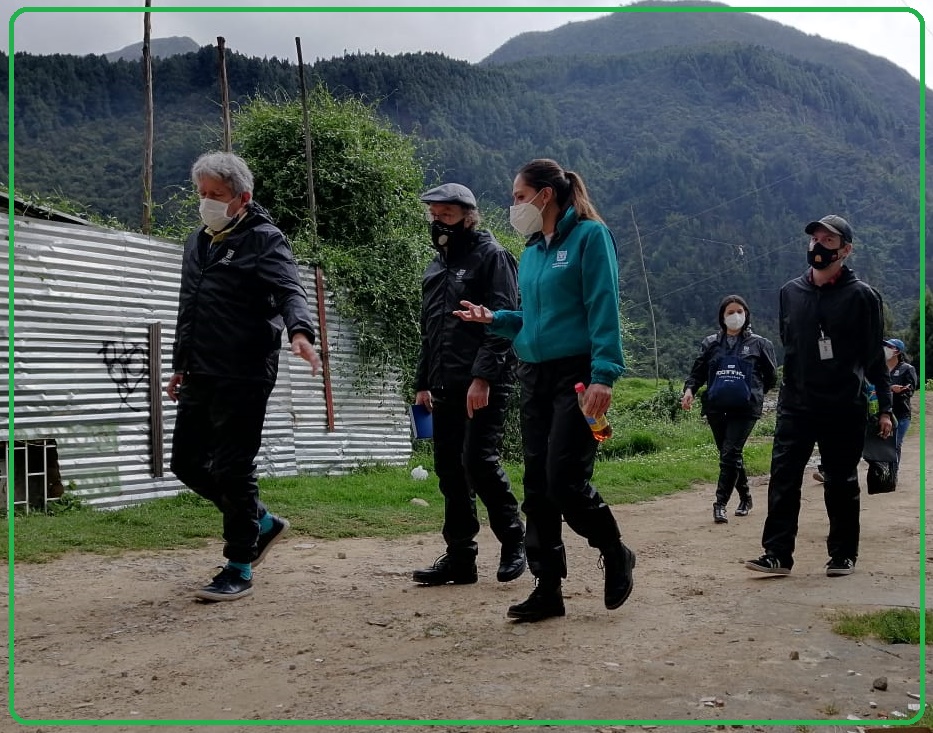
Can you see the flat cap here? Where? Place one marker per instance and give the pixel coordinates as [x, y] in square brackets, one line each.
[450, 193]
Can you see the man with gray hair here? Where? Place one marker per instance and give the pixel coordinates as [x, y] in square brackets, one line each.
[239, 289]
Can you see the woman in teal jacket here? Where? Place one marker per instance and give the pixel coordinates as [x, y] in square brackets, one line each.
[567, 332]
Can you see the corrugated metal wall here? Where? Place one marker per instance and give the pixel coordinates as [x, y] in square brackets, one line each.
[83, 300]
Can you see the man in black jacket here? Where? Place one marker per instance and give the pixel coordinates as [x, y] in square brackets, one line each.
[831, 326]
[464, 380]
[239, 289]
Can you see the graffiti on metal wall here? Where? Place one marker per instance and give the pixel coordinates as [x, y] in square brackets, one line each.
[127, 364]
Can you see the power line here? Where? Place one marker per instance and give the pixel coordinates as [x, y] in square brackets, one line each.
[792, 242]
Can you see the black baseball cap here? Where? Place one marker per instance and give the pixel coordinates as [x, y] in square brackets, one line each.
[450, 193]
[835, 224]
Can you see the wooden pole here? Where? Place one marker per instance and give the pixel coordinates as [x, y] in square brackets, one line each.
[318, 272]
[654, 325]
[224, 94]
[147, 156]
[312, 205]
[156, 447]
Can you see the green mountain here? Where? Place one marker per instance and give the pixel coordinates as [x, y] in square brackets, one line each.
[719, 153]
[719, 149]
[628, 32]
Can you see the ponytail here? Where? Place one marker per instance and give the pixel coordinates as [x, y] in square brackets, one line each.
[581, 199]
[568, 186]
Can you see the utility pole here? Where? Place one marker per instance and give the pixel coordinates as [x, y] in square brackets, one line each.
[318, 272]
[654, 326]
[224, 94]
[147, 156]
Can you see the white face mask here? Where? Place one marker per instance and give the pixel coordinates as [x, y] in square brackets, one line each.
[526, 218]
[734, 321]
[888, 353]
[214, 213]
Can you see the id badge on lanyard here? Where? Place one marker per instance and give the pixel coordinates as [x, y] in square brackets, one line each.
[825, 345]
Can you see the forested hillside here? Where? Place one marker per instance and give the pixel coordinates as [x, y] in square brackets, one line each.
[718, 151]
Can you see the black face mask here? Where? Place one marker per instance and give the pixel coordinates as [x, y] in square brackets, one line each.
[443, 235]
[820, 257]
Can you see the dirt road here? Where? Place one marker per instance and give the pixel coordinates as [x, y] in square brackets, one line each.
[336, 630]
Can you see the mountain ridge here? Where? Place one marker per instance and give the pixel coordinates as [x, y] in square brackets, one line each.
[159, 47]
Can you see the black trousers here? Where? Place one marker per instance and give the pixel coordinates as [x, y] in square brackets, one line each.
[559, 452]
[466, 459]
[840, 438]
[731, 433]
[218, 431]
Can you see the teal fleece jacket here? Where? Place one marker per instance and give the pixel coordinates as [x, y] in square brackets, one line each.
[569, 292]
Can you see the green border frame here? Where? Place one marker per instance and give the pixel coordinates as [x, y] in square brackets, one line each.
[460, 9]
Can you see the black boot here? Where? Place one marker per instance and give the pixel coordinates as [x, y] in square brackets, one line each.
[511, 562]
[618, 562]
[745, 505]
[544, 602]
[719, 513]
[447, 570]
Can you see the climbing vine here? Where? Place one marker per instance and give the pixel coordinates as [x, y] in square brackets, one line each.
[370, 236]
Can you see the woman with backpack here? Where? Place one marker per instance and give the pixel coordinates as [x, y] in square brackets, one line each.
[904, 383]
[738, 368]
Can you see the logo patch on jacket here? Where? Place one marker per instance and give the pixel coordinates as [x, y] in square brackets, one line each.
[561, 260]
[460, 274]
[228, 255]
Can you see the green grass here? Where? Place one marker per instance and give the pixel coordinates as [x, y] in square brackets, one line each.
[926, 721]
[892, 626]
[649, 455]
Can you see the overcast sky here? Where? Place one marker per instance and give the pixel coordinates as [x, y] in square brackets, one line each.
[469, 36]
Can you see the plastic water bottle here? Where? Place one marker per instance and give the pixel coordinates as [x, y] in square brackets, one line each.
[599, 425]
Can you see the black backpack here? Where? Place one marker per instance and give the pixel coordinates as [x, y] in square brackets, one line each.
[730, 378]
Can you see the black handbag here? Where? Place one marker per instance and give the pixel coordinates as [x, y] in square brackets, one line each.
[881, 455]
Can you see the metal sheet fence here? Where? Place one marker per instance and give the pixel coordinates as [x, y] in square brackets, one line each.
[83, 301]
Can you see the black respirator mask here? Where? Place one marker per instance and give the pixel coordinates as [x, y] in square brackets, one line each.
[443, 235]
[820, 257]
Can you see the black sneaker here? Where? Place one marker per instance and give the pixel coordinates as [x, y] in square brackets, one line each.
[266, 540]
[719, 514]
[544, 602]
[745, 506]
[511, 562]
[840, 566]
[227, 585]
[768, 564]
[444, 570]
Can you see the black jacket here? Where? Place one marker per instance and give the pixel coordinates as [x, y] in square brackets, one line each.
[235, 298]
[475, 268]
[848, 312]
[752, 348]
[905, 374]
